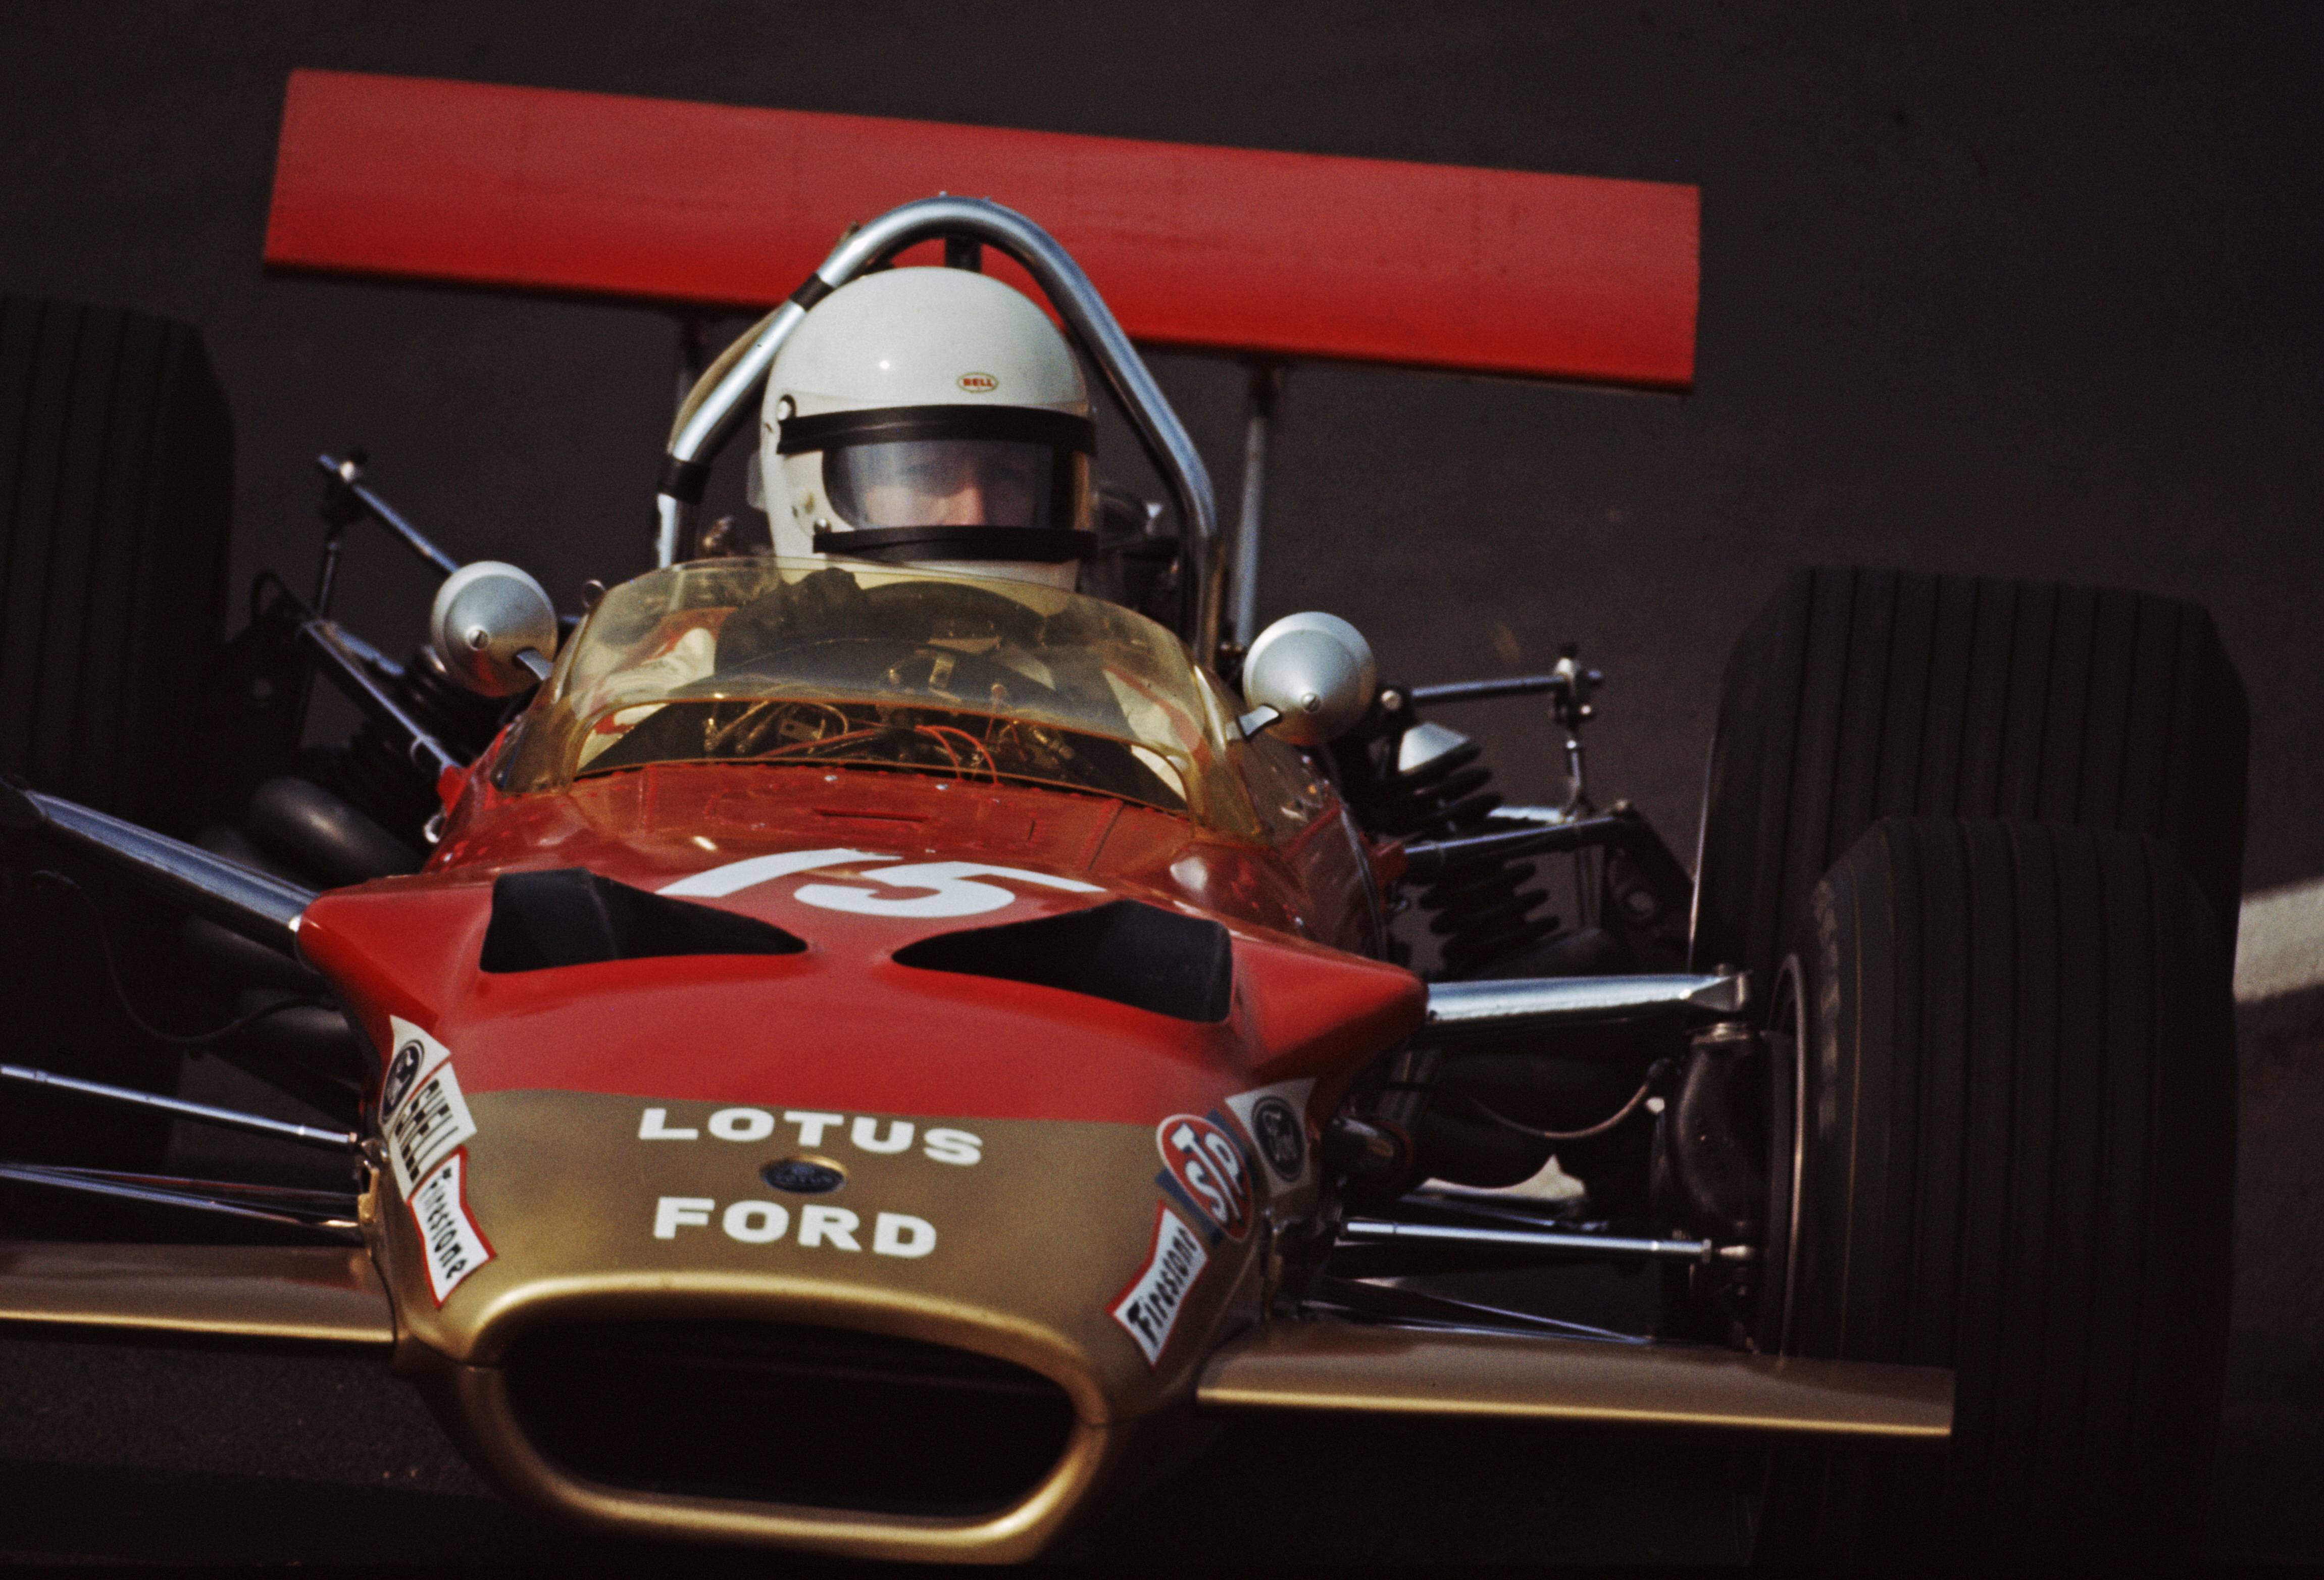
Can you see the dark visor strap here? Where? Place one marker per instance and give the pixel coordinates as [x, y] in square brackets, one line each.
[890, 424]
[1041, 545]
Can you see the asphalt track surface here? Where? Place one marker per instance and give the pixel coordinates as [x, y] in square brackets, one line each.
[2022, 290]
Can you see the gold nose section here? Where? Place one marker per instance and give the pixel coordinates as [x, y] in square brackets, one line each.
[896, 1336]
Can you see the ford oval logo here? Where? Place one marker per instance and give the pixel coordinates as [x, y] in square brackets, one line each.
[1282, 1137]
[801, 1178]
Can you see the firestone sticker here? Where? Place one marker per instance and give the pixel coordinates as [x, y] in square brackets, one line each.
[455, 1246]
[1149, 1308]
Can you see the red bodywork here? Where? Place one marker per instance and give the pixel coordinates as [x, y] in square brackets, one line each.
[843, 1025]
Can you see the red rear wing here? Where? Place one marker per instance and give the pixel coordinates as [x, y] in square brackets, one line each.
[1283, 254]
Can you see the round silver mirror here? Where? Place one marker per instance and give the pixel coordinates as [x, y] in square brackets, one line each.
[493, 627]
[1309, 677]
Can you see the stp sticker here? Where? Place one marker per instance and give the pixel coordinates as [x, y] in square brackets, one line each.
[1148, 1308]
[431, 1121]
[455, 1246]
[1207, 1167]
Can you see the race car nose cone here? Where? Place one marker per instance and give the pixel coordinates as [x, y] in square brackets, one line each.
[802, 1177]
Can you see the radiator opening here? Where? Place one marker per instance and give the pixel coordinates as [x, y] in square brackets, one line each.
[784, 1413]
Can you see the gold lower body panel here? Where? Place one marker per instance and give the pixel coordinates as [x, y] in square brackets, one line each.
[1388, 1371]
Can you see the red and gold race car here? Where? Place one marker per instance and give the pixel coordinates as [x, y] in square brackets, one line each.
[966, 1019]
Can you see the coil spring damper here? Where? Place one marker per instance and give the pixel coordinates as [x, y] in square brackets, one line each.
[1482, 909]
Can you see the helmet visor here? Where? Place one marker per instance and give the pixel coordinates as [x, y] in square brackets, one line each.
[956, 483]
[950, 467]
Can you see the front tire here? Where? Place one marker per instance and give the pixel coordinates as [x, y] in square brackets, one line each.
[2016, 1160]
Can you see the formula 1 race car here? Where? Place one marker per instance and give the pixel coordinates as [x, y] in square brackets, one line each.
[969, 1015]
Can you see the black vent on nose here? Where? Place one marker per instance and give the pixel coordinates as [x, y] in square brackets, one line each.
[1130, 953]
[784, 1413]
[573, 917]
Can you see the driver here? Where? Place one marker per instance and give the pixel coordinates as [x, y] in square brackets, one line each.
[930, 417]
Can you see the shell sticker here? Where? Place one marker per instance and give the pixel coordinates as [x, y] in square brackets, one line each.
[430, 1118]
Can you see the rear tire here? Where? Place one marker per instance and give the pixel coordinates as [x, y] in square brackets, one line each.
[2017, 1162]
[116, 482]
[1859, 694]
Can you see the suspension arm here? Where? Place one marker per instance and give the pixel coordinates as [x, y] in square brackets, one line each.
[255, 904]
[1463, 1009]
[345, 665]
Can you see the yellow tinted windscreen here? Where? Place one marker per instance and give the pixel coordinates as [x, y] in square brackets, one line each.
[814, 661]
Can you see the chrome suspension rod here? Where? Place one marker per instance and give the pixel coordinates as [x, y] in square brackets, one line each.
[1459, 1009]
[1381, 1230]
[344, 665]
[350, 474]
[337, 1140]
[321, 1212]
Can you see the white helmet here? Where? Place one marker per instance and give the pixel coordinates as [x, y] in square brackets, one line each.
[933, 416]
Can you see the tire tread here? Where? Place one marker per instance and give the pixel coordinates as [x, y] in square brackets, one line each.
[1859, 694]
[2020, 1165]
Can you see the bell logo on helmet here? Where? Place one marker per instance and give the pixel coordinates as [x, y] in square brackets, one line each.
[978, 383]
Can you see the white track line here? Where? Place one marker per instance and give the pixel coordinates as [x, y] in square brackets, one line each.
[2279, 942]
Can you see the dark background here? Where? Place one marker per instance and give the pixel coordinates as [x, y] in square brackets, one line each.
[1994, 288]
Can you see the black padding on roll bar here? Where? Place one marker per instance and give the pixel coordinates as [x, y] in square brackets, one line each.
[1037, 545]
[1126, 952]
[812, 289]
[684, 480]
[570, 916]
[890, 424]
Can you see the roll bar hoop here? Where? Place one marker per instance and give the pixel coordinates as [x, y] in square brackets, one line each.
[720, 402]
